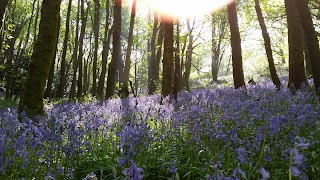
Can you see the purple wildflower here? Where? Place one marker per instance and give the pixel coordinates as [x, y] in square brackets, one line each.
[265, 174]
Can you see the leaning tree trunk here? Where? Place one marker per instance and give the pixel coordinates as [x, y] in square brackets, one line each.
[311, 41]
[116, 53]
[168, 61]
[129, 48]
[238, 76]
[295, 37]
[33, 90]
[62, 80]
[267, 44]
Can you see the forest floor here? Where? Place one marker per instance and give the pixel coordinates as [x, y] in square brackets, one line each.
[223, 133]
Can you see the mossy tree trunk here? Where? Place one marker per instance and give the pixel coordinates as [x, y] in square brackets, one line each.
[116, 53]
[311, 41]
[238, 76]
[31, 98]
[297, 74]
[177, 70]
[267, 45]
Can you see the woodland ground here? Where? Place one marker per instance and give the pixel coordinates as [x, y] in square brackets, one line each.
[224, 133]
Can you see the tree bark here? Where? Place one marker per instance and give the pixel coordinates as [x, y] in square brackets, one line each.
[84, 17]
[33, 90]
[177, 69]
[189, 53]
[295, 37]
[62, 80]
[96, 45]
[311, 41]
[48, 91]
[75, 55]
[153, 63]
[116, 53]
[238, 76]
[168, 61]
[267, 44]
[129, 47]
[105, 51]
[3, 6]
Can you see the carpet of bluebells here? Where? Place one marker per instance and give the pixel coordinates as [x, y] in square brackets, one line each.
[257, 133]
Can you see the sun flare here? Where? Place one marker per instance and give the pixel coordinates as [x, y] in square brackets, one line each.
[186, 8]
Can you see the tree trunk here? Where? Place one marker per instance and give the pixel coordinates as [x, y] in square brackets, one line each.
[159, 53]
[311, 41]
[189, 53]
[177, 71]
[116, 53]
[168, 61]
[75, 55]
[153, 63]
[129, 47]
[48, 91]
[238, 76]
[217, 52]
[84, 17]
[35, 27]
[3, 6]
[96, 45]
[105, 51]
[33, 90]
[62, 81]
[267, 44]
[296, 64]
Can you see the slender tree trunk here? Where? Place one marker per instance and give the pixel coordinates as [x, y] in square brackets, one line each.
[216, 49]
[188, 56]
[129, 48]
[105, 51]
[296, 61]
[84, 17]
[238, 76]
[75, 55]
[267, 44]
[28, 31]
[116, 53]
[3, 6]
[62, 81]
[176, 80]
[159, 52]
[33, 90]
[311, 41]
[36, 19]
[96, 45]
[153, 63]
[168, 61]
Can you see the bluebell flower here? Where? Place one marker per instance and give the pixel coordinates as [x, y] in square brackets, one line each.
[295, 171]
[265, 174]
